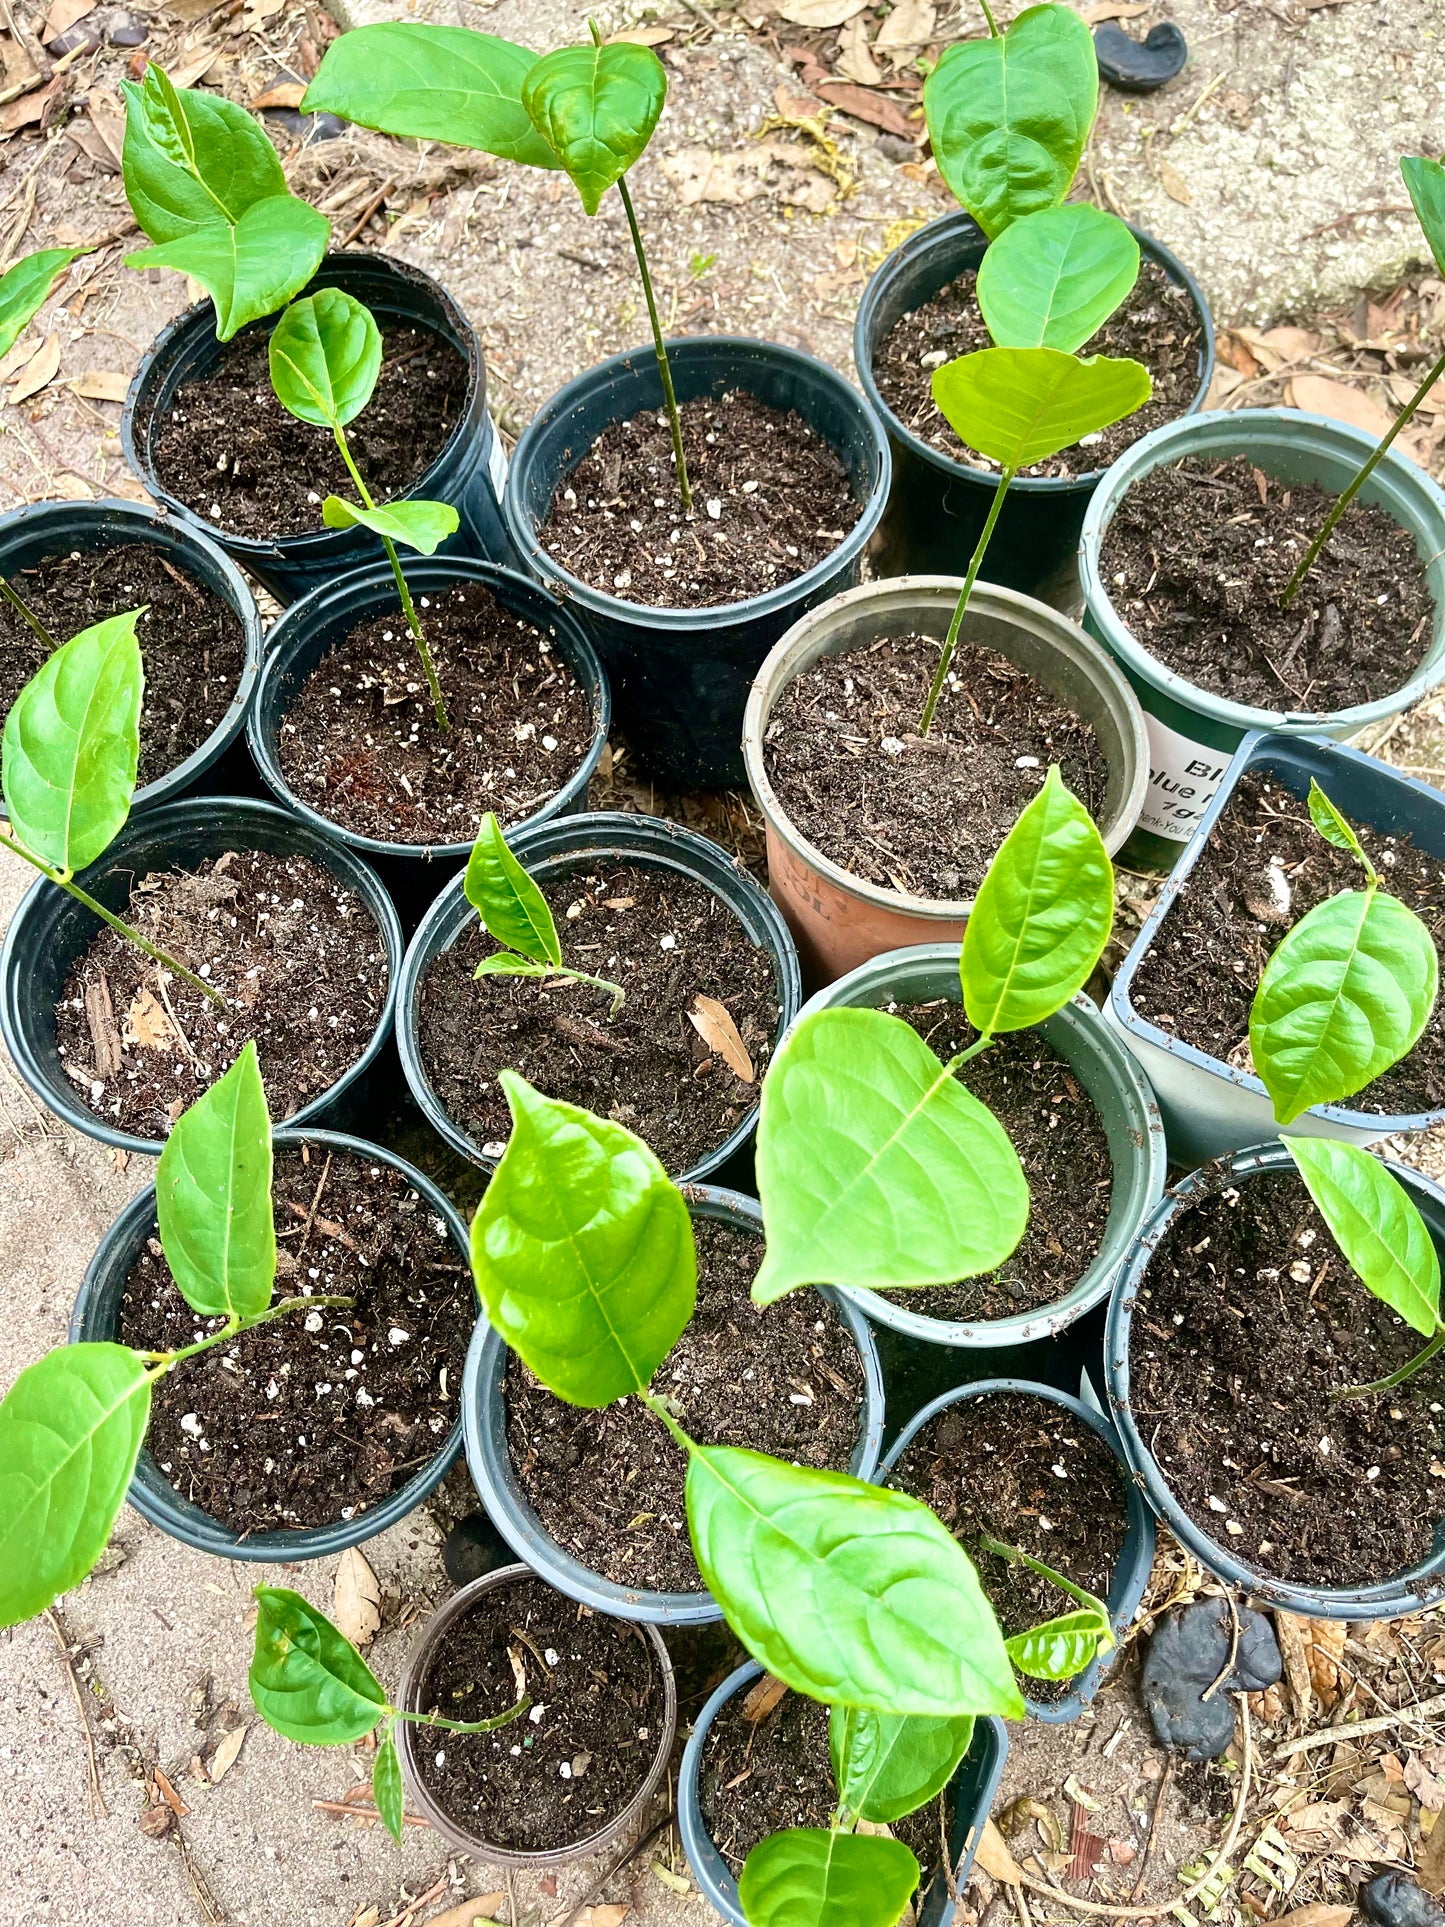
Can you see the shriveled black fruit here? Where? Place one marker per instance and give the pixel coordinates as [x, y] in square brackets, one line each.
[474, 1546]
[1395, 1900]
[1187, 1654]
[1139, 66]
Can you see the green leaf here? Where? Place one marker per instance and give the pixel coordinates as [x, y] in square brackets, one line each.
[853, 1594]
[71, 744]
[502, 963]
[1042, 915]
[1022, 405]
[386, 1788]
[1053, 279]
[511, 907]
[596, 108]
[1061, 1648]
[886, 1765]
[325, 357]
[308, 1681]
[1425, 180]
[432, 83]
[25, 288]
[1346, 995]
[1335, 827]
[809, 1877]
[582, 1251]
[70, 1430]
[213, 1197]
[875, 1166]
[1009, 116]
[192, 159]
[1373, 1220]
[416, 525]
[253, 268]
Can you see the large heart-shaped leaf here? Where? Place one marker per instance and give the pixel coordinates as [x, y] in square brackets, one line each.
[72, 742]
[253, 268]
[1373, 1220]
[1425, 182]
[1060, 1648]
[851, 1593]
[308, 1680]
[70, 1429]
[213, 1197]
[25, 288]
[582, 1250]
[325, 356]
[596, 108]
[875, 1166]
[511, 907]
[809, 1877]
[1009, 116]
[1022, 405]
[416, 525]
[1345, 995]
[886, 1765]
[432, 83]
[1053, 279]
[192, 159]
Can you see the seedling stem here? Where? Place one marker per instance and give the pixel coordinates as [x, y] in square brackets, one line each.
[1395, 1378]
[973, 568]
[23, 609]
[163, 1361]
[992, 23]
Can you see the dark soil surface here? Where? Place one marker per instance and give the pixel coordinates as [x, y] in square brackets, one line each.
[192, 645]
[323, 1414]
[1197, 558]
[232, 453]
[1249, 1323]
[1156, 325]
[924, 814]
[1198, 978]
[771, 499]
[560, 1773]
[1064, 1152]
[667, 940]
[296, 954]
[1023, 1471]
[360, 743]
[608, 1485]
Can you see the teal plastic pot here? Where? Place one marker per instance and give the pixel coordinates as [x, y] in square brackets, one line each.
[1118, 1093]
[484, 1416]
[971, 1794]
[1393, 1594]
[1193, 733]
[95, 1320]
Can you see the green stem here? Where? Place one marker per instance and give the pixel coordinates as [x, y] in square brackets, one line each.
[1017, 1558]
[980, 1043]
[22, 609]
[992, 23]
[617, 993]
[953, 628]
[658, 1410]
[663, 368]
[464, 1726]
[1399, 1377]
[233, 1327]
[1343, 502]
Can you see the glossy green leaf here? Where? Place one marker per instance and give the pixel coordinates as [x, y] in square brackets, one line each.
[25, 288]
[308, 1681]
[325, 357]
[1061, 1648]
[386, 1788]
[809, 1877]
[213, 1197]
[70, 1430]
[1425, 181]
[1373, 1220]
[1345, 995]
[1335, 827]
[596, 108]
[432, 83]
[1053, 279]
[582, 1251]
[1023, 405]
[1009, 116]
[853, 1594]
[875, 1166]
[511, 907]
[503, 963]
[253, 268]
[886, 1765]
[1042, 915]
[416, 525]
[192, 159]
[71, 744]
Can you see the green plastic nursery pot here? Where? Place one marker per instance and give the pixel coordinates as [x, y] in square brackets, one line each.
[409, 1737]
[1193, 733]
[1115, 1087]
[96, 1317]
[970, 1796]
[1394, 1594]
[841, 920]
[484, 1416]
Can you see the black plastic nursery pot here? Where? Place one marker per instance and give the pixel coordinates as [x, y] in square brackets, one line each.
[40, 529]
[410, 1737]
[1131, 1570]
[937, 506]
[1389, 1598]
[969, 1794]
[484, 1415]
[96, 1317]
[551, 850]
[50, 930]
[1210, 1108]
[467, 473]
[680, 677]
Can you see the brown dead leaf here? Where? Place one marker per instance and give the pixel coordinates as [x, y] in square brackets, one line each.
[356, 1601]
[1231, 346]
[643, 36]
[1320, 1820]
[1114, 10]
[1423, 1777]
[18, 357]
[608, 1915]
[368, 1917]
[155, 1821]
[762, 1698]
[855, 59]
[995, 1859]
[1337, 399]
[224, 1757]
[285, 93]
[168, 1793]
[189, 11]
[194, 67]
[62, 17]
[30, 107]
[147, 1026]
[40, 370]
[1292, 1632]
[469, 1912]
[715, 1027]
[101, 384]
[1174, 183]
[820, 13]
[1318, 1914]
[764, 167]
[1290, 343]
[907, 29]
[1430, 1868]
[879, 110]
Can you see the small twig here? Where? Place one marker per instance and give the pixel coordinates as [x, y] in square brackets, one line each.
[579, 1031]
[175, 1021]
[311, 1214]
[422, 1900]
[512, 1920]
[622, 1860]
[99, 1810]
[372, 205]
[1159, 1798]
[366, 1812]
[1210, 1691]
[1419, 1714]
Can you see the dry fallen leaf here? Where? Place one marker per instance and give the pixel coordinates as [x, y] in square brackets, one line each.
[62, 17]
[762, 1698]
[609, 1915]
[907, 28]
[820, 13]
[479, 1907]
[356, 1603]
[1320, 1820]
[1337, 399]
[154, 1821]
[1422, 1777]
[1292, 1632]
[1174, 183]
[172, 1799]
[715, 1027]
[101, 384]
[855, 61]
[41, 369]
[995, 1859]
[643, 36]
[701, 174]
[1318, 1914]
[147, 1026]
[1114, 10]
[224, 1757]
[285, 93]
[194, 67]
